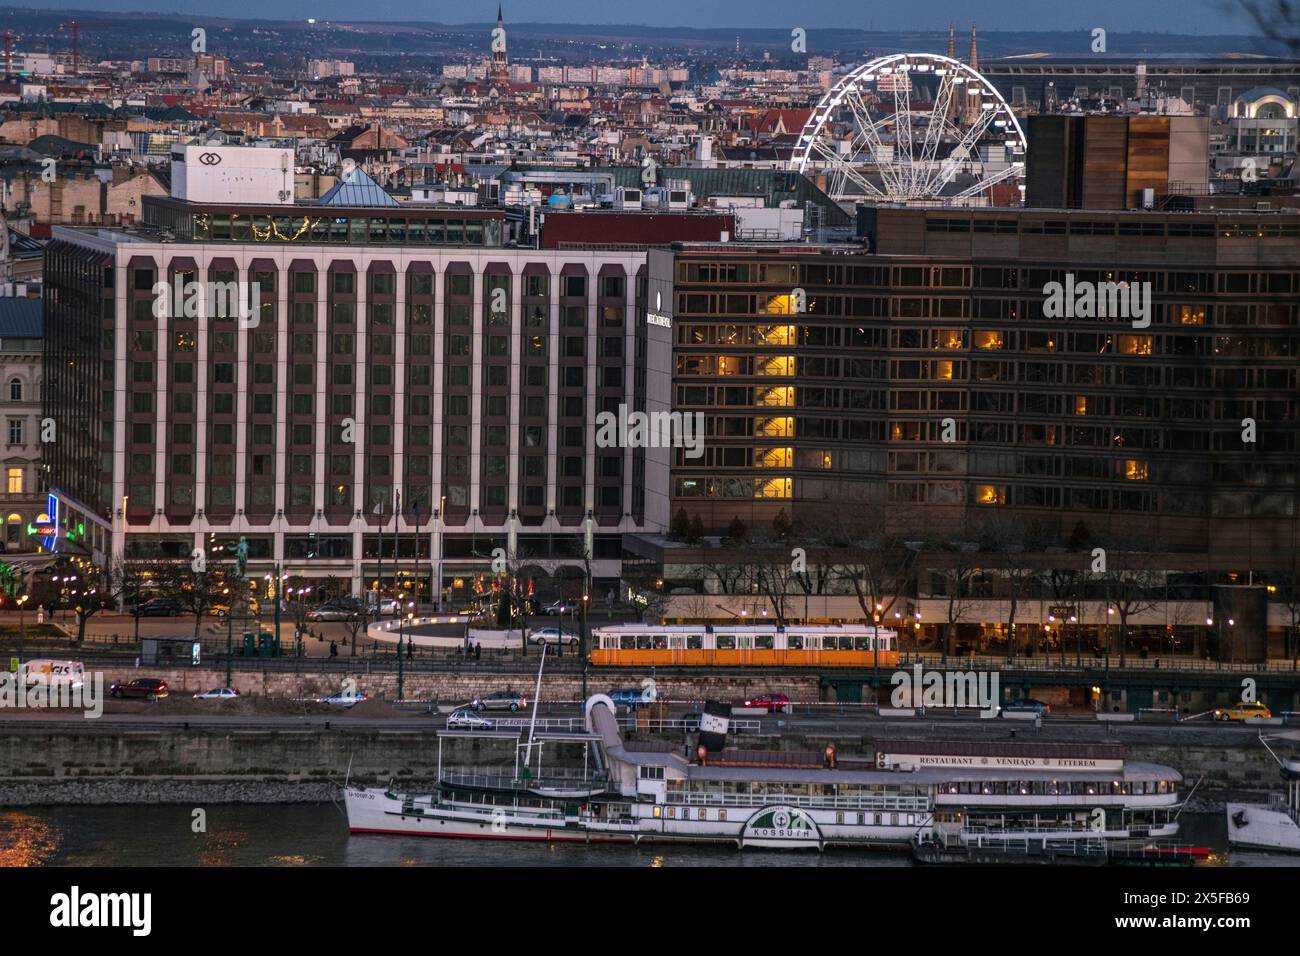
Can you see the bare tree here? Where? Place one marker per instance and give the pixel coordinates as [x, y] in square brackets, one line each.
[1278, 20]
[1131, 588]
[776, 575]
[195, 591]
[956, 566]
[877, 566]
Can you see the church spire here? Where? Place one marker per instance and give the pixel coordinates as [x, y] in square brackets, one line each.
[974, 60]
[952, 41]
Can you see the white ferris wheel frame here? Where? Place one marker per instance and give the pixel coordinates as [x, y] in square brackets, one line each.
[911, 174]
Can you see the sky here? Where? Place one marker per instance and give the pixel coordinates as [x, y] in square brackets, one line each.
[1164, 16]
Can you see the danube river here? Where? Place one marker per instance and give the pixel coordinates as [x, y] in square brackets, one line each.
[316, 835]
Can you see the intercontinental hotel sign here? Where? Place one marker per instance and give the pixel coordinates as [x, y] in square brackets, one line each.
[998, 763]
[657, 315]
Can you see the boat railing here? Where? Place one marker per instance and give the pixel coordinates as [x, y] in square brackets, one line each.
[553, 779]
[875, 804]
[655, 726]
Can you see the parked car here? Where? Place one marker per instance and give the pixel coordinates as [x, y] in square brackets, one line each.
[463, 718]
[772, 703]
[219, 693]
[386, 606]
[1242, 711]
[346, 698]
[336, 611]
[630, 697]
[158, 607]
[1027, 705]
[552, 635]
[510, 700]
[148, 688]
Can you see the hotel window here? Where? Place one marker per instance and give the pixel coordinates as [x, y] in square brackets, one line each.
[1136, 470]
[985, 339]
[990, 494]
[15, 481]
[15, 431]
[1135, 345]
[15, 390]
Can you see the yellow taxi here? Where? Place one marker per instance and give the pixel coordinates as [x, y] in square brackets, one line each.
[221, 610]
[1242, 711]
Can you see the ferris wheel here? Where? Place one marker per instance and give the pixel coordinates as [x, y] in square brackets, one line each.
[914, 128]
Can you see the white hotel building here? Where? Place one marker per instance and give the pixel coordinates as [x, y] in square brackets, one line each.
[396, 350]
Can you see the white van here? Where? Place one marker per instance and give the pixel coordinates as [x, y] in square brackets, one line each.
[51, 673]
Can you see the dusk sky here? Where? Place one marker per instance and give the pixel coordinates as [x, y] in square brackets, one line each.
[1167, 16]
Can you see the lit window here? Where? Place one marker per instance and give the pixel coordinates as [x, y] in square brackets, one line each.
[1191, 314]
[1136, 470]
[988, 340]
[1081, 405]
[15, 481]
[990, 494]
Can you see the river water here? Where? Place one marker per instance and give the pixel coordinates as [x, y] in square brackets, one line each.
[317, 835]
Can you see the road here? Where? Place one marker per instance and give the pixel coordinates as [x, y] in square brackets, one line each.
[823, 722]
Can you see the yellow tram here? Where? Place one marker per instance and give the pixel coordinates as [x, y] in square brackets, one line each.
[759, 645]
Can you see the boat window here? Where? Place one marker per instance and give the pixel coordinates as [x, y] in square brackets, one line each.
[722, 816]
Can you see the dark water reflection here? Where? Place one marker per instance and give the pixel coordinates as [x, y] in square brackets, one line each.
[316, 835]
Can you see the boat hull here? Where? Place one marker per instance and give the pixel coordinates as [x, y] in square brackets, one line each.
[1252, 826]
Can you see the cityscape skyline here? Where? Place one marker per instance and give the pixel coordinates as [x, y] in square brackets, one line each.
[1213, 17]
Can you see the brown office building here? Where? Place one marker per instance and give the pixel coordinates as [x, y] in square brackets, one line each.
[941, 333]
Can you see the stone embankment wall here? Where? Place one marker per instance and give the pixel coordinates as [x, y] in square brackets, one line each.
[77, 766]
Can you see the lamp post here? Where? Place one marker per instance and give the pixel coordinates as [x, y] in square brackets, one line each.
[400, 682]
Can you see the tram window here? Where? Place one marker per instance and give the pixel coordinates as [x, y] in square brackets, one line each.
[764, 642]
[745, 642]
[676, 642]
[794, 642]
[627, 642]
[644, 642]
[726, 642]
[660, 642]
[694, 642]
[862, 643]
[812, 643]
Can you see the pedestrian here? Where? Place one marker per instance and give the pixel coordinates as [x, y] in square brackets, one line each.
[334, 649]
